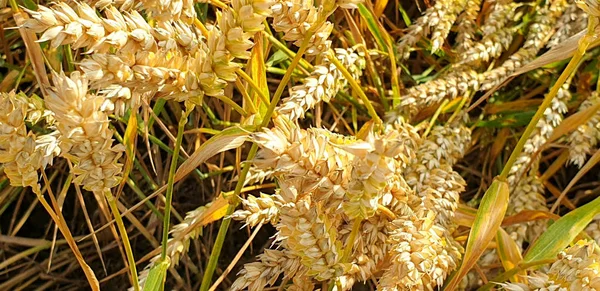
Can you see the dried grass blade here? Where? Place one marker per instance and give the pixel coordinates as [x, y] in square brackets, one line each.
[572, 122]
[586, 168]
[558, 53]
[33, 51]
[64, 229]
[509, 253]
[227, 139]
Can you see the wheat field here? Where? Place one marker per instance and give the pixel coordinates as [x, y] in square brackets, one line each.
[299, 145]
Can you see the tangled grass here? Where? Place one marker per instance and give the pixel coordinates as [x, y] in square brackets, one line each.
[299, 145]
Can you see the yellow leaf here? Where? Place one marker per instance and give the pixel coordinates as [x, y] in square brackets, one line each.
[487, 222]
[510, 254]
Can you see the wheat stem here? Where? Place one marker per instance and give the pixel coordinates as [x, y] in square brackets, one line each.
[216, 251]
[355, 87]
[170, 182]
[124, 237]
[583, 45]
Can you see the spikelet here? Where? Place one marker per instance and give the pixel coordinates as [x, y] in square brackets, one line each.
[497, 33]
[527, 192]
[437, 20]
[304, 161]
[585, 138]
[311, 235]
[85, 138]
[574, 20]
[179, 242]
[21, 152]
[323, 84]
[83, 28]
[419, 258]
[543, 23]
[265, 272]
[454, 84]
[259, 210]
[467, 26]
[577, 269]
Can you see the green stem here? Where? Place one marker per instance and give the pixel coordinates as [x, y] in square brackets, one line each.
[304, 64]
[216, 251]
[69, 57]
[583, 45]
[170, 182]
[124, 237]
[254, 86]
[355, 87]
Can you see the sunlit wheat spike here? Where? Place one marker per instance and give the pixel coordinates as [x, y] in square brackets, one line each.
[497, 33]
[454, 84]
[241, 22]
[373, 168]
[259, 210]
[467, 26]
[171, 73]
[83, 28]
[21, 153]
[437, 21]
[268, 268]
[419, 256]
[323, 171]
[294, 18]
[85, 138]
[577, 268]
[431, 174]
[553, 115]
[311, 234]
[585, 138]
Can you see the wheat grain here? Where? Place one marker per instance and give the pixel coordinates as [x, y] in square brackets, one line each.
[85, 138]
[452, 85]
[467, 26]
[259, 210]
[322, 85]
[539, 30]
[437, 20]
[270, 265]
[577, 268]
[571, 22]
